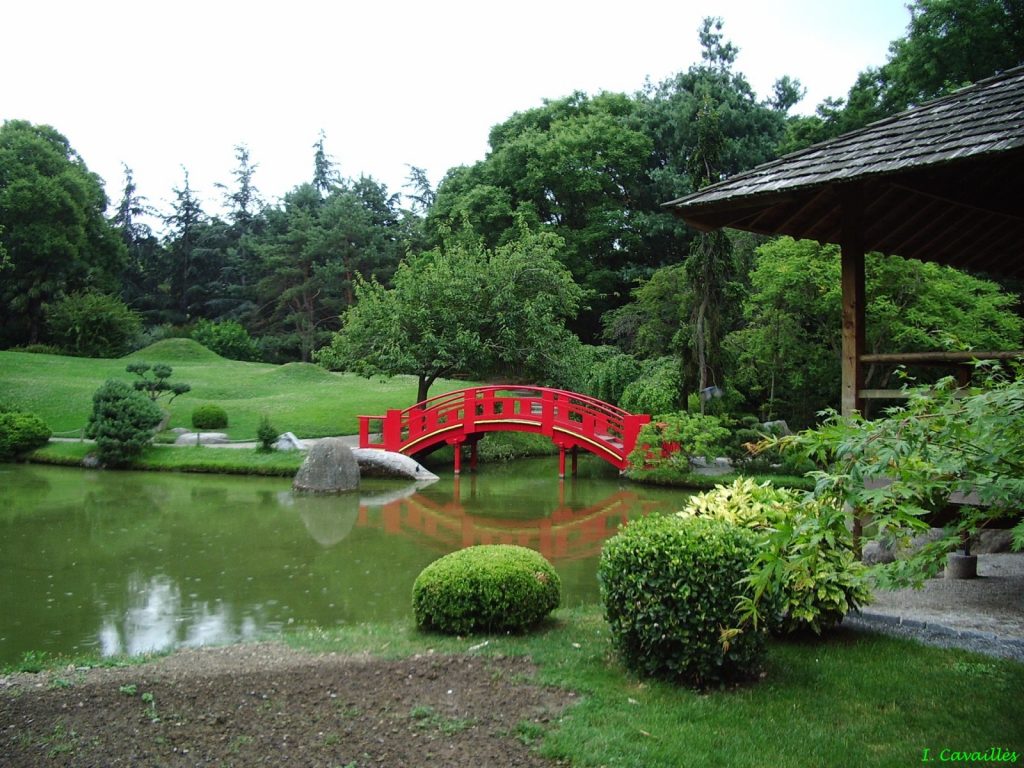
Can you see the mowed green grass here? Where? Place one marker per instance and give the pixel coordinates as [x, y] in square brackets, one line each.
[296, 397]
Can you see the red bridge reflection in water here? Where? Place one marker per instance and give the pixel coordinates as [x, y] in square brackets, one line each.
[568, 533]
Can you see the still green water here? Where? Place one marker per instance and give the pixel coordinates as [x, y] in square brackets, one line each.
[127, 562]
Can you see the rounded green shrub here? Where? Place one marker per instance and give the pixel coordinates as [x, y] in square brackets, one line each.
[209, 416]
[669, 587]
[21, 433]
[486, 588]
[227, 338]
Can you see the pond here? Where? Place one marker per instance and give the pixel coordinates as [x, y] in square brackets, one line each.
[127, 562]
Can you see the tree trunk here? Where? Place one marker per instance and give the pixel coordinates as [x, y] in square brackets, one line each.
[700, 344]
[423, 387]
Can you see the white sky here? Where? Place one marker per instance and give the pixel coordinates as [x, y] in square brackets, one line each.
[160, 85]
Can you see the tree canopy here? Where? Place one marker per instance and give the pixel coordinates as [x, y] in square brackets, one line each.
[787, 354]
[949, 44]
[462, 308]
[52, 228]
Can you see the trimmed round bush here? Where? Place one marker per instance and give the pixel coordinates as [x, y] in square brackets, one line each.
[669, 586]
[209, 416]
[486, 588]
[21, 433]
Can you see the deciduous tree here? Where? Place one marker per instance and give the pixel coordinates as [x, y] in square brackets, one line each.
[461, 309]
[52, 228]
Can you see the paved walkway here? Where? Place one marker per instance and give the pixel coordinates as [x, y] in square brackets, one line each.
[985, 614]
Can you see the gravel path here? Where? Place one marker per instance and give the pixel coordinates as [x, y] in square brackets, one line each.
[985, 614]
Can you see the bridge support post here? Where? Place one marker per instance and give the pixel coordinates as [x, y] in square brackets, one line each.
[458, 457]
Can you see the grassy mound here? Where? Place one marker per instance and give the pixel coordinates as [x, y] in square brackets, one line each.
[174, 350]
[297, 397]
[301, 372]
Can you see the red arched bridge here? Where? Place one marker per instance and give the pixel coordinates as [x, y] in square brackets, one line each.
[572, 421]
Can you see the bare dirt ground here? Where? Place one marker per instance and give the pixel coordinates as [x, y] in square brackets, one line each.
[266, 705]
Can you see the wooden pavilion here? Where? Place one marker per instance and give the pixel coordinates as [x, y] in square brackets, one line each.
[940, 182]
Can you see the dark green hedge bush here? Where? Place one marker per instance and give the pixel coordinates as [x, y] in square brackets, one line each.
[209, 416]
[266, 435]
[669, 586]
[487, 588]
[21, 433]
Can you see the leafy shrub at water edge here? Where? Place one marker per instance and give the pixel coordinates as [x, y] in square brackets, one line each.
[683, 436]
[21, 433]
[486, 588]
[121, 422]
[806, 574]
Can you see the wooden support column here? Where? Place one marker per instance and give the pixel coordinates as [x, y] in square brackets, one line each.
[854, 299]
[853, 296]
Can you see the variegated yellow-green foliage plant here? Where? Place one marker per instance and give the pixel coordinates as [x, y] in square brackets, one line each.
[806, 574]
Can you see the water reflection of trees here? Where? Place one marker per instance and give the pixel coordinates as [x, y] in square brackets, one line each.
[159, 617]
[134, 562]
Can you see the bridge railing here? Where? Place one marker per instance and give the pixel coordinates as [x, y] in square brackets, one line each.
[535, 409]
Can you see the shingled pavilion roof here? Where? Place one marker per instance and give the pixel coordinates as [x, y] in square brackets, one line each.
[941, 182]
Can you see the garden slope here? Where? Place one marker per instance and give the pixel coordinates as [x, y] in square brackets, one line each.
[297, 397]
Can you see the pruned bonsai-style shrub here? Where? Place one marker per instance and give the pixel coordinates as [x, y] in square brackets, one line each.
[669, 587]
[20, 434]
[209, 416]
[486, 588]
[121, 423]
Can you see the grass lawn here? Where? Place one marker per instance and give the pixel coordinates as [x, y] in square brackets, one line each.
[297, 397]
[853, 699]
[229, 461]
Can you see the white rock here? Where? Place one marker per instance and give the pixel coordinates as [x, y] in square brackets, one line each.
[373, 462]
[201, 438]
[289, 442]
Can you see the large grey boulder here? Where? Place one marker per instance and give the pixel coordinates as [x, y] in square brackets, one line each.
[374, 462]
[329, 467]
[992, 542]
